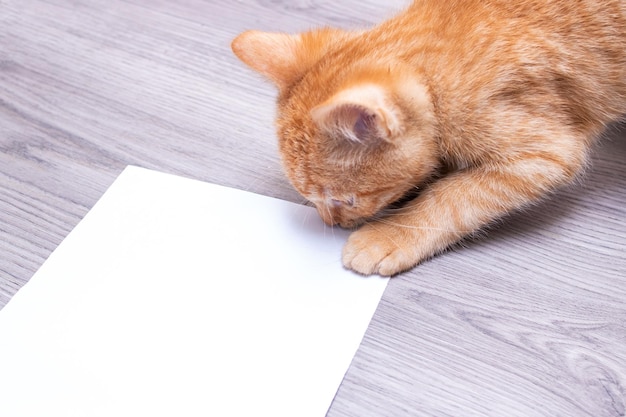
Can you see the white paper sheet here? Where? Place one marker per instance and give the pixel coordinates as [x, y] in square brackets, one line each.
[175, 297]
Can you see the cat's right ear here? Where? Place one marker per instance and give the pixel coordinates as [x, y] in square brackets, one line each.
[274, 55]
[361, 114]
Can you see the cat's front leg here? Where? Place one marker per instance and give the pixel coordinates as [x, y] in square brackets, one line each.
[384, 249]
[453, 208]
[398, 242]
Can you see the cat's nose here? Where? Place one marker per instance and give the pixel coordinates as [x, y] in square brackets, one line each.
[330, 213]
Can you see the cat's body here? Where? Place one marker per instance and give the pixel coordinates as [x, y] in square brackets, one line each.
[506, 97]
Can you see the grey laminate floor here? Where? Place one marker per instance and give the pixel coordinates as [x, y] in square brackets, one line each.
[529, 320]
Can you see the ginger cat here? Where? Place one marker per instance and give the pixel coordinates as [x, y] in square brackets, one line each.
[477, 108]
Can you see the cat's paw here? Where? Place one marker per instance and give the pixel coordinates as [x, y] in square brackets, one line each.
[380, 249]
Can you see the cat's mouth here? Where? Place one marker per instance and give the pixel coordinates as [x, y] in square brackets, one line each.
[341, 215]
[352, 223]
[348, 217]
[348, 220]
[333, 216]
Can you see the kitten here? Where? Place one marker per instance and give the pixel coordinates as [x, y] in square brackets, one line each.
[504, 96]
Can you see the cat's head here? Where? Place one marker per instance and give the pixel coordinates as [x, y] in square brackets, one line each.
[356, 130]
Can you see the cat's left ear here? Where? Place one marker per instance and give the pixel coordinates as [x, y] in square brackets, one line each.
[362, 114]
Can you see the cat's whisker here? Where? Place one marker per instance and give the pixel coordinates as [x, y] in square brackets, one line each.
[330, 214]
[306, 217]
[412, 227]
[388, 237]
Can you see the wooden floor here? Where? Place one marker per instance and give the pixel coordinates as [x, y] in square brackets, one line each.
[528, 320]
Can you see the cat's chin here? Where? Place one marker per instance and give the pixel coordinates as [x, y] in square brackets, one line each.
[335, 219]
[351, 224]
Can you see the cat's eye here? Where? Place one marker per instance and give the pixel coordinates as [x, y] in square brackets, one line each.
[349, 202]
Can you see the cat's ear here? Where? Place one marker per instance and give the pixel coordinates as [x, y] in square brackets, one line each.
[363, 114]
[274, 55]
[281, 57]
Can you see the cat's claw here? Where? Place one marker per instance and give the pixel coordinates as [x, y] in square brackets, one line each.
[372, 250]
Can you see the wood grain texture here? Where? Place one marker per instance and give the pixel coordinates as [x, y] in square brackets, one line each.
[527, 320]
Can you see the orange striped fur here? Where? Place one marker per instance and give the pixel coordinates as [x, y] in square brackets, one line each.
[478, 107]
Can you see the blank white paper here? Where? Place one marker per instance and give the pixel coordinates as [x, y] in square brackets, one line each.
[174, 297]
